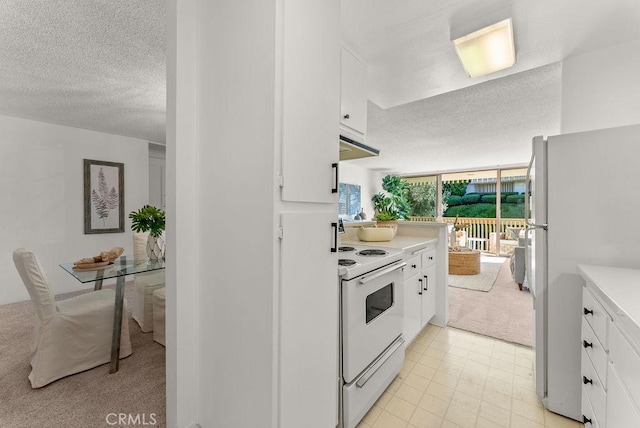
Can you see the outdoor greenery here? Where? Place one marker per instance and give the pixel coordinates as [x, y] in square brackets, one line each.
[394, 204]
[148, 219]
[455, 188]
[422, 199]
[419, 199]
[485, 210]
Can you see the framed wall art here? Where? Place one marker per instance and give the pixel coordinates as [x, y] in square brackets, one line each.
[103, 197]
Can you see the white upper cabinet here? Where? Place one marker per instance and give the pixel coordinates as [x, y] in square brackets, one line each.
[310, 100]
[353, 95]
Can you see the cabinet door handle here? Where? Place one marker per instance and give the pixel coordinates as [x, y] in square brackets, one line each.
[586, 380]
[414, 266]
[587, 311]
[334, 226]
[346, 116]
[420, 286]
[586, 344]
[585, 420]
[335, 167]
[430, 257]
[426, 283]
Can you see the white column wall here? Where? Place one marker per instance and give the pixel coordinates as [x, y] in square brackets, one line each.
[601, 89]
[236, 187]
[182, 255]
[220, 172]
[42, 182]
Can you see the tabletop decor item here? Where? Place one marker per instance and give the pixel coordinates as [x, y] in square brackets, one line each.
[150, 219]
[104, 259]
[375, 234]
[103, 197]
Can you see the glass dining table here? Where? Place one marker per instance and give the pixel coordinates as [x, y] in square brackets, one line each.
[123, 266]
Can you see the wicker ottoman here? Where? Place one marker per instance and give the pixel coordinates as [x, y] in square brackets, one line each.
[464, 262]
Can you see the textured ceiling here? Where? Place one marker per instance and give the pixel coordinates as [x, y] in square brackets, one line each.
[406, 43]
[100, 65]
[426, 115]
[486, 125]
[92, 64]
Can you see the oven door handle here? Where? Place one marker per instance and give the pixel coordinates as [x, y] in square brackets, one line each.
[366, 279]
[376, 366]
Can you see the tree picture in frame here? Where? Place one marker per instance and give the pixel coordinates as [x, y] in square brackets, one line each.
[103, 197]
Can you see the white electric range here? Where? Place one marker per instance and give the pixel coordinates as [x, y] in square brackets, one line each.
[371, 284]
[354, 261]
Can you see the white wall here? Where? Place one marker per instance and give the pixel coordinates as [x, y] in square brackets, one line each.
[157, 176]
[601, 89]
[366, 179]
[41, 183]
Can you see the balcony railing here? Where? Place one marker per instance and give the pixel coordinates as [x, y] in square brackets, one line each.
[480, 230]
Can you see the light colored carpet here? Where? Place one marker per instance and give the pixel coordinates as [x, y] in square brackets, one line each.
[489, 267]
[84, 399]
[504, 312]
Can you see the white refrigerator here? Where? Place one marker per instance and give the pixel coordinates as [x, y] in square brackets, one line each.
[584, 207]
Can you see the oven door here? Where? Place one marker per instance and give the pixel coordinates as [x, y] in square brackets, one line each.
[372, 311]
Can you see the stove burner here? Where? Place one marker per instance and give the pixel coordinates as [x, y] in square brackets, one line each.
[341, 249]
[374, 252]
[346, 262]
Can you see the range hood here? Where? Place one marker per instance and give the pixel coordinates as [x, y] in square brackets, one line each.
[351, 149]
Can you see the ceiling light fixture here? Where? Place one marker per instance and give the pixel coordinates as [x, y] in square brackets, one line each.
[487, 50]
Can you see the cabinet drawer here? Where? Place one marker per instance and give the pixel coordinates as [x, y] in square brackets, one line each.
[593, 348]
[621, 412]
[588, 417]
[626, 362]
[428, 258]
[596, 316]
[412, 268]
[593, 388]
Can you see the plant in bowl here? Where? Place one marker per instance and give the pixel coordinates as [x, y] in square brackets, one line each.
[150, 219]
[393, 205]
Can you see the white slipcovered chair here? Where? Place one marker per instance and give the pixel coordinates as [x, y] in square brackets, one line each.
[145, 285]
[71, 335]
[159, 299]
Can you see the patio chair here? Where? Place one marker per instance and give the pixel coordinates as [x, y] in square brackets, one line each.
[70, 335]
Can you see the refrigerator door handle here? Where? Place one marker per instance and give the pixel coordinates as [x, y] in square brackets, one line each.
[531, 226]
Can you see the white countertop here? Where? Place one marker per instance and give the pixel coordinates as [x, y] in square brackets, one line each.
[619, 289]
[402, 242]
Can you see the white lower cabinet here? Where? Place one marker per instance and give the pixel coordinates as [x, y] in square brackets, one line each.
[594, 361]
[428, 294]
[623, 381]
[419, 291]
[621, 409]
[610, 367]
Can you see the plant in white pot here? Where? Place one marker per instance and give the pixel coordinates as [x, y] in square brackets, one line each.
[150, 219]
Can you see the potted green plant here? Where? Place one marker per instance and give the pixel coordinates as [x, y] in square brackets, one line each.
[393, 205]
[150, 219]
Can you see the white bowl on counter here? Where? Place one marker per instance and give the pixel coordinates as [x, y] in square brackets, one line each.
[375, 234]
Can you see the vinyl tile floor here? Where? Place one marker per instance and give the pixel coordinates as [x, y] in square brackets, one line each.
[454, 378]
